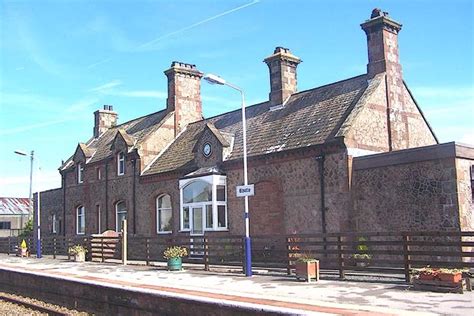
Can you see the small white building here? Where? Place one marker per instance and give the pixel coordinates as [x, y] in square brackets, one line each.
[14, 214]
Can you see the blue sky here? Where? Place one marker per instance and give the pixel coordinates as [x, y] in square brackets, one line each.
[62, 60]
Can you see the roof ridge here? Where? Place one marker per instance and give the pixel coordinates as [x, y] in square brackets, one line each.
[329, 84]
[236, 110]
[137, 118]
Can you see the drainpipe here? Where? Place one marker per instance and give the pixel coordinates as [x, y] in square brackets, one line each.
[107, 195]
[321, 159]
[64, 204]
[134, 161]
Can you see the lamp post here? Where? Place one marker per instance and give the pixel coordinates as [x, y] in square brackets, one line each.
[38, 230]
[213, 79]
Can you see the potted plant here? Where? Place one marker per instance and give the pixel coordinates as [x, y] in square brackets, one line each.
[174, 256]
[24, 249]
[362, 258]
[439, 274]
[79, 253]
[426, 274]
[307, 268]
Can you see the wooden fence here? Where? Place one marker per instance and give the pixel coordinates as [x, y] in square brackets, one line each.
[374, 253]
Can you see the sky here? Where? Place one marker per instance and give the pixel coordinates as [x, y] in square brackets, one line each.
[62, 60]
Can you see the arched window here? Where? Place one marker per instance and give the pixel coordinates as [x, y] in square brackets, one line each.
[120, 215]
[163, 214]
[80, 220]
[120, 164]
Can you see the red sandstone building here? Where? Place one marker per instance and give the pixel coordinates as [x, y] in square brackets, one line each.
[354, 155]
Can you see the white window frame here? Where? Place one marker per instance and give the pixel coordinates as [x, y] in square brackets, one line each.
[214, 181]
[120, 164]
[80, 218]
[80, 172]
[159, 210]
[117, 224]
[54, 229]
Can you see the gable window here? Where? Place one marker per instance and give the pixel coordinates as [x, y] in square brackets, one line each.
[120, 164]
[80, 173]
[120, 215]
[80, 220]
[54, 226]
[203, 204]
[163, 214]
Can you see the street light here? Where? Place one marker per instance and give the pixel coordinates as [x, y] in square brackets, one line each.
[38, 230]
[213, 79]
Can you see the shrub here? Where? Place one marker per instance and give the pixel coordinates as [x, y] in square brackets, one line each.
[175, 252]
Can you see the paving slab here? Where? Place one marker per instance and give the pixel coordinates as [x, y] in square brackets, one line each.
[274, 292]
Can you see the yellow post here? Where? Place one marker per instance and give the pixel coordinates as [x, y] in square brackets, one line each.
[124, 242]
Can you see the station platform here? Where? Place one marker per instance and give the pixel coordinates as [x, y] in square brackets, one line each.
[109, 288]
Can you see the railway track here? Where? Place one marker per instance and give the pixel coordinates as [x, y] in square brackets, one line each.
[36, 306]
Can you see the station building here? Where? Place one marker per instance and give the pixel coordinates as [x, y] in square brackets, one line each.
[354, 155]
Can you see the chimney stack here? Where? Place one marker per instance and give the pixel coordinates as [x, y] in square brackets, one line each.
[184, 94]
[382, 44]
[282, 66]
[104, 119]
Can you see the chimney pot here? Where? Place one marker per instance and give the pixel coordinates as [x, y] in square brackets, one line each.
[104, 120]
[184, 95]
[283, 80]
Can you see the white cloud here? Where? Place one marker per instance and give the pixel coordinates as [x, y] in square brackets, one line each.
[138, 93]
[444, 92]
[150, 45]
[17, 186]
[106, 86]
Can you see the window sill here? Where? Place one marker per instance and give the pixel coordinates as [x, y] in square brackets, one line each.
[164, 233]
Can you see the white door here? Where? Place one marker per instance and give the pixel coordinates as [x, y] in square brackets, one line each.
[197, 230]
[197, 221]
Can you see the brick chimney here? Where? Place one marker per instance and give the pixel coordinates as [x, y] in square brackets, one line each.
[382, 43]
[104, 119]
[184, 94]
[282, 66]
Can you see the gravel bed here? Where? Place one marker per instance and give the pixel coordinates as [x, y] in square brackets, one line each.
[7, 308]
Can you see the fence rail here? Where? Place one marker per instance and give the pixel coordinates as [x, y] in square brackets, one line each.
[374, 252]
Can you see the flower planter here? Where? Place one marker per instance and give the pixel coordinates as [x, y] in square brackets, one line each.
[80, 257]
[362, 264]
[307, 270]
[450, 277]
[175, 264]
[427, 276]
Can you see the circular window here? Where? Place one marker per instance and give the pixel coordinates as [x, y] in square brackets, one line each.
[206, 150]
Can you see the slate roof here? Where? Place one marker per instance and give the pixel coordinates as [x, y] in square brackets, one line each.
[308, 118]
[14, 206]
[136, 130]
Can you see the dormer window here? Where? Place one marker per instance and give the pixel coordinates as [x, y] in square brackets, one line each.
[120, 164]
[80, 173]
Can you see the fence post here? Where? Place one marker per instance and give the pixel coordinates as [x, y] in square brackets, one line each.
[102, 248]
[206, 254]
[147, 247]
[407, 257]
[342, 274]
[124, 242]
[288, 256]
[54, 247]
[68, 244]
[8, 249]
